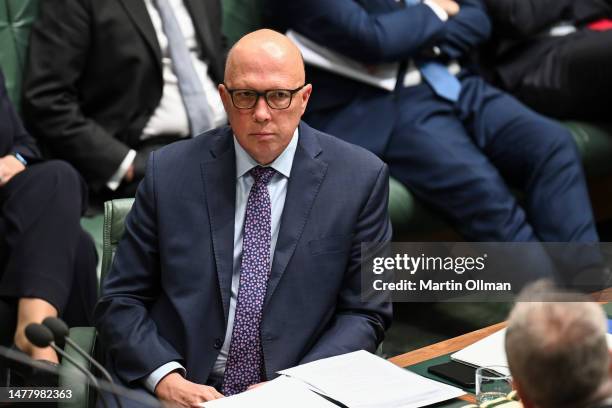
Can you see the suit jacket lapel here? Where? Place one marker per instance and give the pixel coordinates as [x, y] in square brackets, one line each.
[307, 174]
[137, 10]
[219, 176]
[200, 18]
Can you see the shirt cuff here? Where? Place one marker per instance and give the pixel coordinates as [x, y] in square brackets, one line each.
[156, 376]
[115, 180]
[442, 15]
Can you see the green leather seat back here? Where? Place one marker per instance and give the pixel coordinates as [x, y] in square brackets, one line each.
[16, 18]
[408, 215]
[240, 17]
[595, 144]
[115, 212]
[83, 396]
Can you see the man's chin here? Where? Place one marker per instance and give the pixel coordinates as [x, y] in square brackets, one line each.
[265, 154]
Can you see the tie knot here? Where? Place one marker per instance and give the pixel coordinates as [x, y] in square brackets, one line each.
[262, 174]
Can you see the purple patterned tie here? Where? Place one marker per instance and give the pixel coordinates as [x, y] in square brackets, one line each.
[245, 358]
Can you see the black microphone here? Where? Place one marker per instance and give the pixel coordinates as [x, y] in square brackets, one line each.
[59, 329]
[38, 335]
[41, 336]
[60, 332]
[24, 359]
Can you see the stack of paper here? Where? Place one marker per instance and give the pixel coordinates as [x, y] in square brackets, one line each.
[361, 379]
[487, 352]
[280, 393]
[355, 380]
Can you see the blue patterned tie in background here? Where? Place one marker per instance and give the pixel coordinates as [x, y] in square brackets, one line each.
[444, 84]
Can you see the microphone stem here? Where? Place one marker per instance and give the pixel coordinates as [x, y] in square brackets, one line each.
[105, 373]
[90, 358]
[87, 374]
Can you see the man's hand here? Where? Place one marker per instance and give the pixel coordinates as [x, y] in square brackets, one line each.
[9, 166]
[177, 390]
[451, 7]
[251, 387]
[129, 174]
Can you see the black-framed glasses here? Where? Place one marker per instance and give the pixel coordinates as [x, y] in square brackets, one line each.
[275, 98]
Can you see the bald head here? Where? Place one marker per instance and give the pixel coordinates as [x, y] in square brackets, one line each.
[265, 73]
[265, 50]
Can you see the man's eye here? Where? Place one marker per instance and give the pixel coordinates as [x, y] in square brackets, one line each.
[278, 94]
[244, 94]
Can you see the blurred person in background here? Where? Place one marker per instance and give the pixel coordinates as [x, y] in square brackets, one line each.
[459, 144]
[108, 81]
[47, 261]
[554, 55]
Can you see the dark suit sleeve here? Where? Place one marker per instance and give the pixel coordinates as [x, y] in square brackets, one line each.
[346, 27]
[523, 18]
[13, 136]
[360, 324]
[58, 53]
[466, 30]
[122, 314]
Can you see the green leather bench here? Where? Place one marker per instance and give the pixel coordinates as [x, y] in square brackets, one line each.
[411, 219]
[113, 228]
[16, 18]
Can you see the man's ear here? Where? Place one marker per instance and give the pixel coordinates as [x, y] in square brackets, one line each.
[306, 96]
[225, 97]
[222, 91]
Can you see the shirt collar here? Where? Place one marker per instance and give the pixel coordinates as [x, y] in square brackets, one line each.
[282, 164]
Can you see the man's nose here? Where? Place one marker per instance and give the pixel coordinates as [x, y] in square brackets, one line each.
[261, 111]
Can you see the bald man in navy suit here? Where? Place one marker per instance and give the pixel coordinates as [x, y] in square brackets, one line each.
[242, 252]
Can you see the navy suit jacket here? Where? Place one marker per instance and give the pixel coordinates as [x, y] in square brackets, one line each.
[372, 32]
[167, 296]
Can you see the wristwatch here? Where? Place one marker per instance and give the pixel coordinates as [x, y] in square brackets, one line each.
[21, 159]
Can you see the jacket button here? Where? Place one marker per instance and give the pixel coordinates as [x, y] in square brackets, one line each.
[218, 344]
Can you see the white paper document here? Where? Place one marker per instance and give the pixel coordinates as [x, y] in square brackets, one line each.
[490, 351]
[361, 379]
[487, 352]
[380, 75]
[282, 392]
